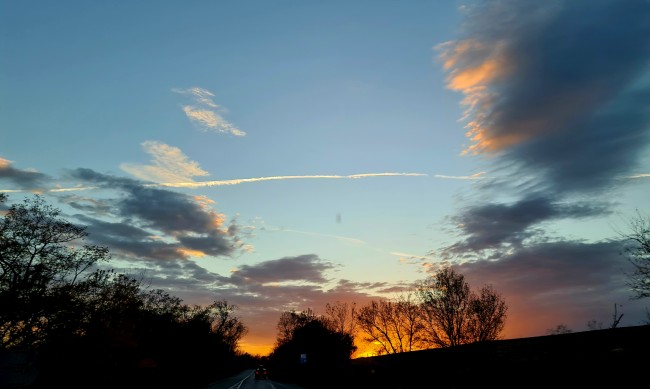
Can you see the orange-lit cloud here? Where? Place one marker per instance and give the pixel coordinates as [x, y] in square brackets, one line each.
[474, 69]
[185, 252]
[169, 164]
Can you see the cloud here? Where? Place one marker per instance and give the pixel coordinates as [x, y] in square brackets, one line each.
[169, 164]
[502, 226]
[642, 175]
[550, 283]
[349, 240]
[206, 114]
[189, 225]
[22, 179]
[305, 268]
[556, 89]
[556, 97]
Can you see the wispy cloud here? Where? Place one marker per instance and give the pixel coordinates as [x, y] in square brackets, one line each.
[169, 164]
[205, 113]
[404, 257]
[346, 239]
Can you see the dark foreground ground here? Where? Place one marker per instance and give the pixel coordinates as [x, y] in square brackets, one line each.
[611, 358]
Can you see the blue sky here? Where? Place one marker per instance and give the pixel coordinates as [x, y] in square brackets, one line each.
[286, 154]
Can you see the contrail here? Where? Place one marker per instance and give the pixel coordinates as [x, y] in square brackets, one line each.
[274, 178]
[237, 181]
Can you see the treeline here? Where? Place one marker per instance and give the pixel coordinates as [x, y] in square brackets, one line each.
[75, 325]
[442, 311]
[65, 323]
[311, 350]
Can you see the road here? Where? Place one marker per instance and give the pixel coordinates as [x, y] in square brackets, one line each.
[246, 380]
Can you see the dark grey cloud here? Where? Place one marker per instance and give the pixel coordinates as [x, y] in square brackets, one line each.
[345, 286]
[307, 268]
[112, 229]
[559, 94]
[162, 209]
[500, 225]
[211, 243]
[144, 211]
[23, 179]
[148, 248]
[564, 282]
[168, 211]
[561, 87]
[182, 276]
[594, 156]
[87, 205]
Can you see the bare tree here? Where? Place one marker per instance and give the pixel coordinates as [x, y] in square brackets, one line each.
[594, 325]
[395, 326]
[225, 324]
[375, 321]
[342, 317]
[637, 250]
[559, 330]
[446, 299]
[290, 321]
[616, 318]
[487, 315]
[38, 251]
[409, 313]
[454, 315]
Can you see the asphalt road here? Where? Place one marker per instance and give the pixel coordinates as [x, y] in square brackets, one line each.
[246, 380]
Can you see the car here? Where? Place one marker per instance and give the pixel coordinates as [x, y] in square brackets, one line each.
[261, 373]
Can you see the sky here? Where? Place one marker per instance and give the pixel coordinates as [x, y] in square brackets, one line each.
[283, 155]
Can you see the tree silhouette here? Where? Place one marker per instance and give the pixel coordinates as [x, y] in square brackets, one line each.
[312, 350]
[393, 326]
[290, 321]
[342, 316]
[637, 250]
[455, 315]
[81, 326]
[39, 253]
[559, 330]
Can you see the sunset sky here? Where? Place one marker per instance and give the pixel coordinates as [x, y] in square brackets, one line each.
[285, 154]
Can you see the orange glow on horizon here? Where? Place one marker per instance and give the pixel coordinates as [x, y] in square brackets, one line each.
[259, 349]
[364, 349]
